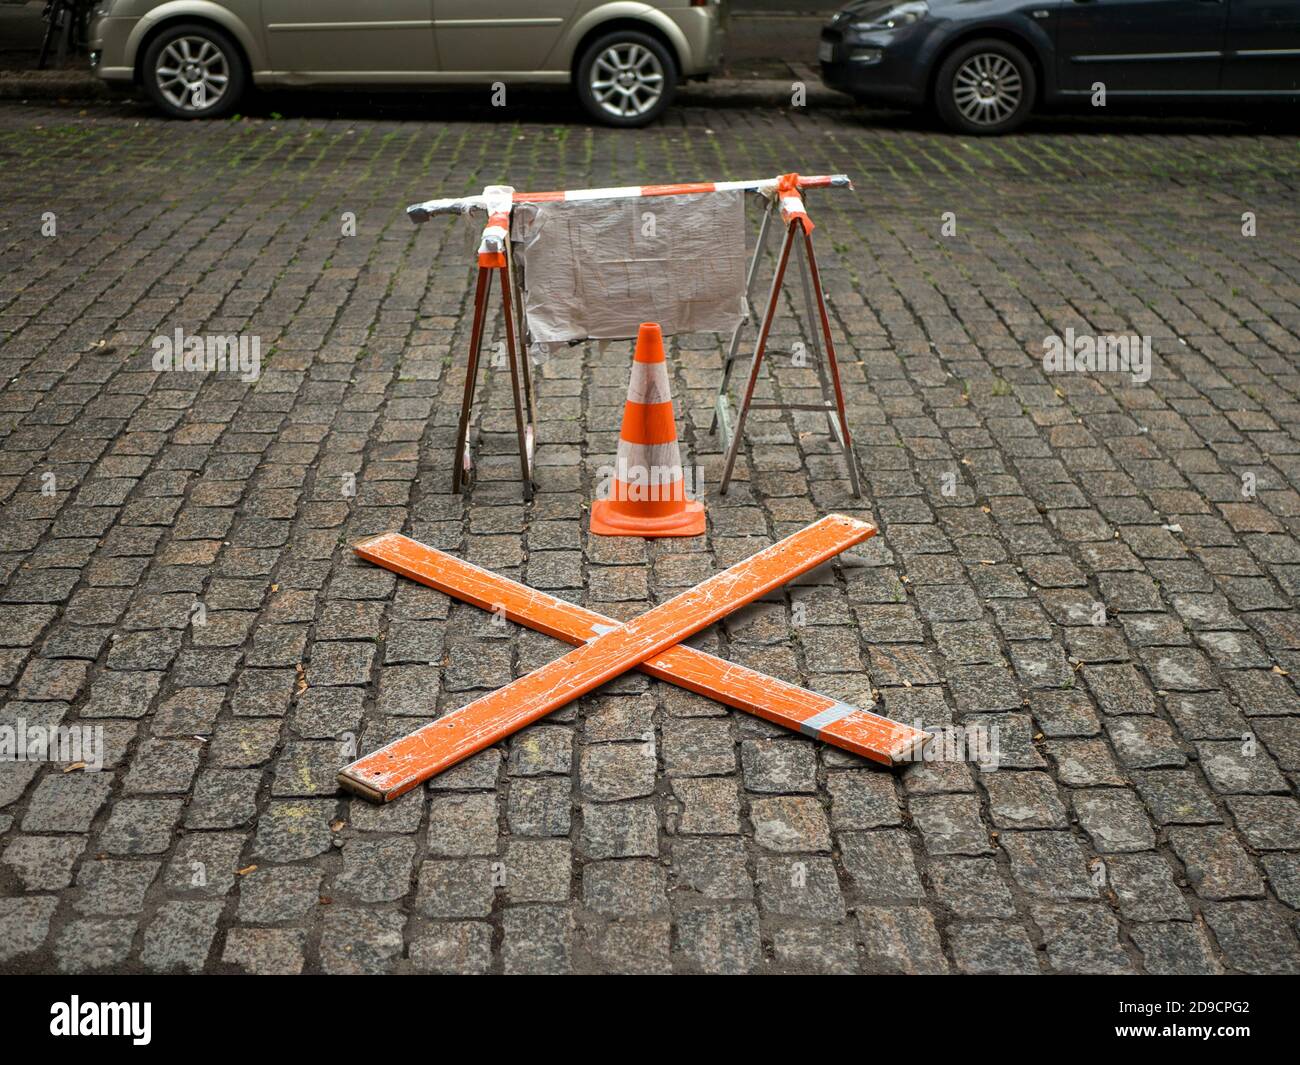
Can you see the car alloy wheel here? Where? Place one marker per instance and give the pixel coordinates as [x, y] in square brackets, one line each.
[987, 89]
[192, 74]
[626, 79]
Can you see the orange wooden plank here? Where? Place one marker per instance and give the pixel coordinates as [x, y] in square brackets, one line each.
[848, 727]
[405, 763]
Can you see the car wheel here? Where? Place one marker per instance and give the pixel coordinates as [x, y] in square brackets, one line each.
[626, 78]
[194, 71]
[985, 87]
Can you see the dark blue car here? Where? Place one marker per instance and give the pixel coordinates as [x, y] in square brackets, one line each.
[984, 65]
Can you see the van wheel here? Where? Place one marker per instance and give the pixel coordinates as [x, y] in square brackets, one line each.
[194, 71]
[985, 87]
[626, 78]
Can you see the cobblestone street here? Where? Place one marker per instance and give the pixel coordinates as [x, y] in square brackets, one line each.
[1099, 571]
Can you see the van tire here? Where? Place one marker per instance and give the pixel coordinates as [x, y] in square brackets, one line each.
[626, 78]
[189, 62]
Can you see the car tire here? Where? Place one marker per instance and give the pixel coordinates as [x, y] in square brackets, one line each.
[191, 70]
[985, 87]
[626, 78]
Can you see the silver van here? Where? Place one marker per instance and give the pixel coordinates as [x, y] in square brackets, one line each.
[196, 58]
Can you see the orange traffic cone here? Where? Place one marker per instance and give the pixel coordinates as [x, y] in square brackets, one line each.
[647, 495]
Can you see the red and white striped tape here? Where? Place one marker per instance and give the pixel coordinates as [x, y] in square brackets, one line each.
[497, 201]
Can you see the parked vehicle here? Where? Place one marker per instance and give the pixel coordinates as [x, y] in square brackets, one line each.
[196, 58]
[984, 65]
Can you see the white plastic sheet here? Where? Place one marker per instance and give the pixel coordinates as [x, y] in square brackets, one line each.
[597, 269]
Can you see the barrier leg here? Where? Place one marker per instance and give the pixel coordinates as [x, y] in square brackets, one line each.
[832, 365]
[521, 342]
[812, 328]
[462, 460]
[721, 409]
[522, 433]
[759, 348]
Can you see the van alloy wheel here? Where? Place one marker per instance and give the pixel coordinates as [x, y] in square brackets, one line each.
[627, 79]
[192, 73]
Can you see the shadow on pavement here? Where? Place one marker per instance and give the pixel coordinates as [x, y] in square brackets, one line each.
[557, 106]
[1184, 120]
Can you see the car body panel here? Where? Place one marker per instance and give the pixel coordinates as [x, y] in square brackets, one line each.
[922, 45]
[491, 36]
[1137, 48]
[1127, 46]
[1262, 47]
[327, 37]
[363, 42]
[686, 29]
[695, 33]
[119, 36]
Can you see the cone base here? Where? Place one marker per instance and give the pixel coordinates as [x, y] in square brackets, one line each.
[606, 521]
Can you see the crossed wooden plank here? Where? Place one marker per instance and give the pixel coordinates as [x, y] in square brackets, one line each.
[650, 642]
[811, 713]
